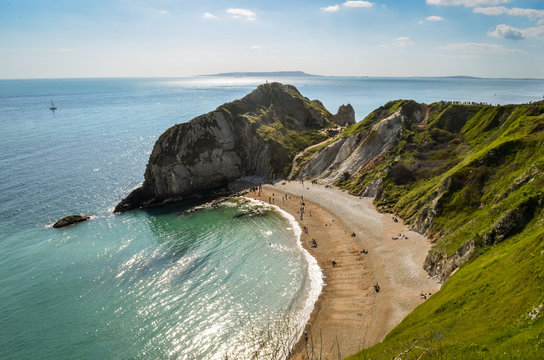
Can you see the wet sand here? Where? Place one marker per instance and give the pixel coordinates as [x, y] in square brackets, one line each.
[349, 314]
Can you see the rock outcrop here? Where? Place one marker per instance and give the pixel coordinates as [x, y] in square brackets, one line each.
[350, 154]
[345, 115]
[258, 135]
[71, 219]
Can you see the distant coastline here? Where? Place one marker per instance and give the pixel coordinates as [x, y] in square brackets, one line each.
[266, 73]
[286, 74]
[304, 74]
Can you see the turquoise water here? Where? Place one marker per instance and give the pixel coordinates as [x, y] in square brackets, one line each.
[160, 283]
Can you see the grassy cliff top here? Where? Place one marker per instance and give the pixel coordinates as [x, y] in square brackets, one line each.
[471, 176]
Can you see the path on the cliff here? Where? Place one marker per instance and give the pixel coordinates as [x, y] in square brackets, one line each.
[294, 163]
[349, 314]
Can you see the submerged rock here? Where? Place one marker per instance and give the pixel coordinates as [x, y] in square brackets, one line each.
[250, 213]
[258, 135]
[71, 219]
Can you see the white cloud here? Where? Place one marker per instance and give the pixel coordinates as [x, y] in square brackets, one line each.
[256, 47]
[512, 33]
[242, 14]
[467, 3]
[535, 32]
[492, 10]
[358, 4]
[481, 48]
[349, 4]
[403, 41]
[208, 15]
[332, 8]
[507, 32]
[500, 10]
[434, 18]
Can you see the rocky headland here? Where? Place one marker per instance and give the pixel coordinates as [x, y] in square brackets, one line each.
[258, 135]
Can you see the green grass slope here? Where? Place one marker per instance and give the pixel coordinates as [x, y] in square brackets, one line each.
[471, 177]
[484, 311]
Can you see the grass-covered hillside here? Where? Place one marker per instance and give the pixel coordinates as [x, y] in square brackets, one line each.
[471, 176]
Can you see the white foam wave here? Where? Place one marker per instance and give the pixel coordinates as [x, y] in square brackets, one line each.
[315, 275]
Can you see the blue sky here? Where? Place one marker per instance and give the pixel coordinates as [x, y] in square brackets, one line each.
[99, 38]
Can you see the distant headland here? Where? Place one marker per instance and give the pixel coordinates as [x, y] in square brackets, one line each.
[266, 73]
[304, 74]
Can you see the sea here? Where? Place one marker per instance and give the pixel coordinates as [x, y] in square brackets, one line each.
[164, 283]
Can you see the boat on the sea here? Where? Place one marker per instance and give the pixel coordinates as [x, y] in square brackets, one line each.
[52, 107]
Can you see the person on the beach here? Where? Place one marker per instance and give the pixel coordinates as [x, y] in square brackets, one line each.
[333, 263]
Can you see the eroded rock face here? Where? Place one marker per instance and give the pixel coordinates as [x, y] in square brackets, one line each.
[350, 154]
[256, 136]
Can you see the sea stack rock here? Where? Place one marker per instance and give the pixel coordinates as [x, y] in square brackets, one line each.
[345, 115]
[258, 135]
[71, 219]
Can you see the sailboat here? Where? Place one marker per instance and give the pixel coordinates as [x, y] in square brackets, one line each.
[53, 107]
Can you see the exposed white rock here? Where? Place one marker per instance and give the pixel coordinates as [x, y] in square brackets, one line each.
[350, 154]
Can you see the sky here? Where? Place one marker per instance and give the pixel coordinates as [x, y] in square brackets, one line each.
[177, 38]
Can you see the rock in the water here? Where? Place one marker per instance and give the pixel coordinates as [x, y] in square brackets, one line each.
[345, 115]
[250, 213]
[71, 219]
[258, 135]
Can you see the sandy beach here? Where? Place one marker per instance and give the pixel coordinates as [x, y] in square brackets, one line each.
[349, 314]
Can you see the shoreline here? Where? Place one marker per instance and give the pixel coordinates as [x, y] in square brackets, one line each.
[315, 272]
[349, 314]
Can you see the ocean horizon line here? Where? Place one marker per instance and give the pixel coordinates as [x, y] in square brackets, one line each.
[272, 73]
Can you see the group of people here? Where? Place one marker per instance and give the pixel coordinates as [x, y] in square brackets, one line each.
[258, 188]
[272, 199]
[423, 295]
[400, 236]
[302, 205]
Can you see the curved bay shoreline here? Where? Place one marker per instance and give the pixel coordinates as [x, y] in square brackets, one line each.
[349, 315]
